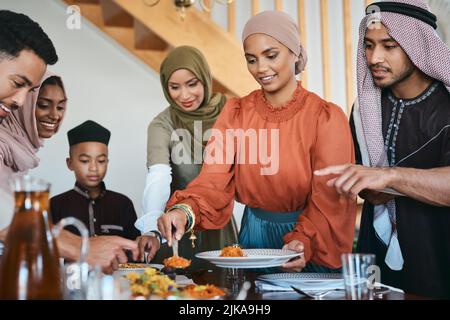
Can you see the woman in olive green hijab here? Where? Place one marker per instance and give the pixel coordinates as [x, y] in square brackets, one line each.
[176, 141]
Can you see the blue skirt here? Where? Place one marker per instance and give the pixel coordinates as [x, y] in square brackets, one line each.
[266, 229]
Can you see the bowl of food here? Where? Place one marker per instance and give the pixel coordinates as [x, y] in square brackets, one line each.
[176, 262]
[203, 292]
[175, 266]
[152, 284]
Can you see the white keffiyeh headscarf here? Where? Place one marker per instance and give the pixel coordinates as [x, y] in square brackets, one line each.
[428, 53]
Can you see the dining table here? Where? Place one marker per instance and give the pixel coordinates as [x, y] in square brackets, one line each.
[233, 280]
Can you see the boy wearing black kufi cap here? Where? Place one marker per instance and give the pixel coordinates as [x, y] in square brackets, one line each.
[104, 212]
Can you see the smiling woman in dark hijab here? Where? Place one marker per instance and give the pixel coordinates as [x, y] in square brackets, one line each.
[176, 141]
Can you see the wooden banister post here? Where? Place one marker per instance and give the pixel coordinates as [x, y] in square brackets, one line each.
[325, 48]
[255, 7]
[301, 16]
[279, 5]
[232, 18]
[348, 54]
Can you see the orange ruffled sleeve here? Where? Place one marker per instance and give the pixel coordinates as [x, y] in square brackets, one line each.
[326, 226]
[211, 194]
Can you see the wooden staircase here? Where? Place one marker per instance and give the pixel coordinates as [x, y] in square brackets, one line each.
[150, 32]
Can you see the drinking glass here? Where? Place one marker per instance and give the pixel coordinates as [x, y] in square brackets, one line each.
[357, 271]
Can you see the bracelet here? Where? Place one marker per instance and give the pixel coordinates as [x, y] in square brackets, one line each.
[189, 214]
[187, 209]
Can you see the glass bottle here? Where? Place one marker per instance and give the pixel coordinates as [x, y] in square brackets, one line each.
[30, 267]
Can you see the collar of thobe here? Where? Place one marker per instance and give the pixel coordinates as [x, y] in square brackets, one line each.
[85, 193]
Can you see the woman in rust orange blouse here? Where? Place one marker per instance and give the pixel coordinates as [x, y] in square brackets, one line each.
[263, 151]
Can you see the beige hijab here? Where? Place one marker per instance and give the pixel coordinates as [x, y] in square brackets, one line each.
[280, 26]
[19, 137]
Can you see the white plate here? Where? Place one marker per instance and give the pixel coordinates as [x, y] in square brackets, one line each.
[305, 281]
[254, 258]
